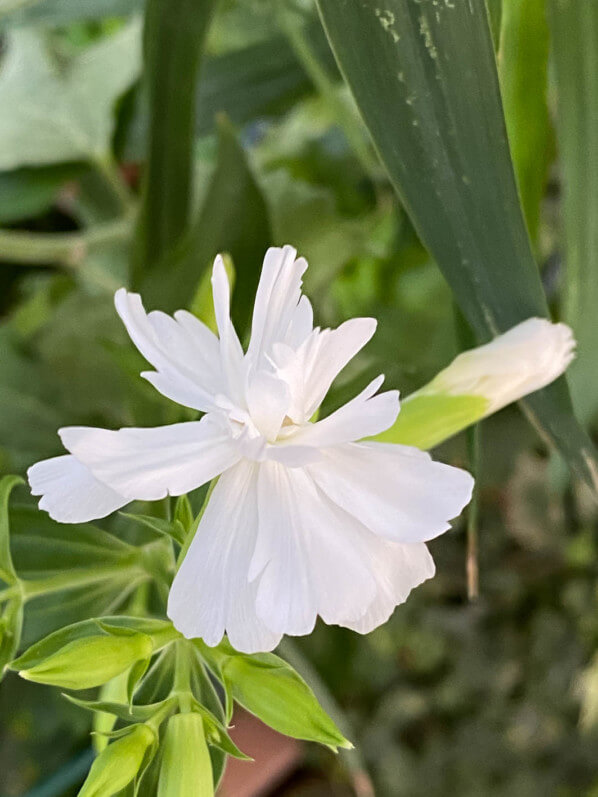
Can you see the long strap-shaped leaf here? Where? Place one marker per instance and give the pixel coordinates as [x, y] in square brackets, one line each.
[423, 73]
[574, 28]
[174, 35]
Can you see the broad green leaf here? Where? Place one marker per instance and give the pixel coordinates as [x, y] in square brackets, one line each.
[426, 421]
[523, 71]
[186, 769]
[173, 41]
[25, 193]
[7, 568]
[62, 112]
[574, 29]
[62, 12]
[233, 219]
[270, 688]
[424, 77]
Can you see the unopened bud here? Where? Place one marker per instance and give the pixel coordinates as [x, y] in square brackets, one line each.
[186, 769]
[119, 763]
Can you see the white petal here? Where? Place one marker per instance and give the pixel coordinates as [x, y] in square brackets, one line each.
[310, 558]
[267, 401]
[231, 351]
[149, 464]
[336, 348]
[277, 315]
[211, 593]
[526, 358]
[70, 492]
[184, 352]
[364, 416]
[396, 491]
[399, 569]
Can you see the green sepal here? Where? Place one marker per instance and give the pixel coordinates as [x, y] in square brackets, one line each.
[216, 733]
[426, 421]
[183, 514]
[124, 711]
[270, 688]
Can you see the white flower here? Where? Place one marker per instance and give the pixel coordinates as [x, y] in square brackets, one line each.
[304, 521]
[528, 357]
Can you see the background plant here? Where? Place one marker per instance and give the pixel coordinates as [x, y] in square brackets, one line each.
[136, 141]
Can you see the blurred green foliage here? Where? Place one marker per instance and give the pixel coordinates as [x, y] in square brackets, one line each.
[449, 697]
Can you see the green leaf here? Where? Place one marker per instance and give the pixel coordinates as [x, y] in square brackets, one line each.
[62, 112]
[424, 77]
[425, 421]
[62, 12]
[268, 687]
[574, 29]
[186, 769]
[25, 193]
[42, 546]
[174, 36]
[233, 219]
[7, 569]
[523, 71]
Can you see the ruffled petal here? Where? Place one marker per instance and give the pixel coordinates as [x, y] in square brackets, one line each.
[364, 416]
[211, 592]
[396, 491]
[184, 352]
[399, 569]
[70, 492]
[149, 464]
[278, 314]
[310, 558]
[231, 351]
[334, 349]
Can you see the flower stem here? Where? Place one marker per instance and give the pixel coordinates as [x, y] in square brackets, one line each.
[182, 676]
[68, 249]
[471, 560]
[108, 169]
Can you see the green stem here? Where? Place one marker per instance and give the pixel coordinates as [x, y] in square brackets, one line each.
[472, 557]
[182, 676]
[67, 249]
[9, 593]
[294, 29]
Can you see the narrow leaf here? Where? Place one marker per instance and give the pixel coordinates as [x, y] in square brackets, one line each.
[574, 28]
[233, 219]
[424, 76]
[174, 36]
[523, 70]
